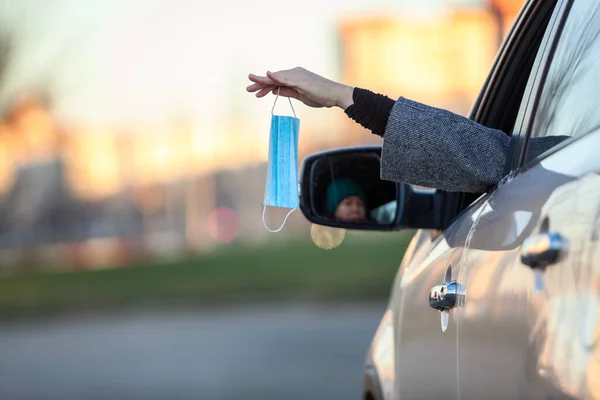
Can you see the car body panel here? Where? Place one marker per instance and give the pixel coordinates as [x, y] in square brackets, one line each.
[564, 343]
[381, 365]
[425, 355]
[517, 340]
[518, 333]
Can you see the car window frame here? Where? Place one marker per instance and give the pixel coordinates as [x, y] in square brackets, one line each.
[485, 104]
[521, 138]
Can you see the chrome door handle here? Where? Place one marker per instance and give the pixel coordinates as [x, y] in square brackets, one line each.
[543, 249]
[445, 296]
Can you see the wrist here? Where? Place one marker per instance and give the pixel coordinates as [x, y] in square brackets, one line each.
[344, 97]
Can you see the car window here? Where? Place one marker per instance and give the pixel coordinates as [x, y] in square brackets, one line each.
[569, 104]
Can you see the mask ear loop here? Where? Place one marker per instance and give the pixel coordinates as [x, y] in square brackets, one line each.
[282, 224]
[265, 207]
[289, 99]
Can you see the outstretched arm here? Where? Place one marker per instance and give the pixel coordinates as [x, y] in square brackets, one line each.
[422, 145]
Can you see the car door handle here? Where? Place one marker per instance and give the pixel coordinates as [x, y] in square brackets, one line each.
[543, 249]
[446, 296]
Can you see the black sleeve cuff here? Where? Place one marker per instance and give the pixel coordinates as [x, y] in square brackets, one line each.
[370, 110]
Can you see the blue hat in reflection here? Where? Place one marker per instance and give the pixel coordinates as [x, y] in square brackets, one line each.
[339, 189]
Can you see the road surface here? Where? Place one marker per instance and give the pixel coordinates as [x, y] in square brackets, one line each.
[290, 352]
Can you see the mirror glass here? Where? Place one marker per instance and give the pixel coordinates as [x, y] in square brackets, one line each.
[346, 188]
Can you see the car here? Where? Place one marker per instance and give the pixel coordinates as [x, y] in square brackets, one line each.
[498, 293]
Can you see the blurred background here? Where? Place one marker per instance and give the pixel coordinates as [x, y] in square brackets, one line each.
[133, 259]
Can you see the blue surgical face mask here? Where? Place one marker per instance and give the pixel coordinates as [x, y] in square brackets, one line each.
[281, 189]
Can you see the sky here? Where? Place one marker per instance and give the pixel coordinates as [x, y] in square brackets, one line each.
[143, 61]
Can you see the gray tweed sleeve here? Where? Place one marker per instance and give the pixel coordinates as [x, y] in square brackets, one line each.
[431, 147]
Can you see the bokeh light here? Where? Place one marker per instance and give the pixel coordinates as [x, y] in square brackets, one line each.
[327, 237]
[223, 224]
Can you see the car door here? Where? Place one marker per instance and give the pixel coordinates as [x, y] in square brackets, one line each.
[425, 345]
[425, 354]
[564, 353]
[528, 321]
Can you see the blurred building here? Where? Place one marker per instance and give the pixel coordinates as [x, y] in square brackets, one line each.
[37, 206]
[441, 59]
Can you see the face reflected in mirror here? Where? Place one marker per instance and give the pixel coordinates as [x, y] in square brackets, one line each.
[347, 188]
[346, 200]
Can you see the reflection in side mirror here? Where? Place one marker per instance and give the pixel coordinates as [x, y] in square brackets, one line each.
[343, 188]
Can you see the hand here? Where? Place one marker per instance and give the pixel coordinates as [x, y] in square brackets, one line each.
[308, 87]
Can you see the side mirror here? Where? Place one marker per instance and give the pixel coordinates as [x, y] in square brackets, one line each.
[342, 188]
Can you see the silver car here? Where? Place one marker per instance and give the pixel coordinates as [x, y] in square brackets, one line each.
[498, 294]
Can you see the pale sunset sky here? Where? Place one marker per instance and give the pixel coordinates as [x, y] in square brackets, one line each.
[143, 61]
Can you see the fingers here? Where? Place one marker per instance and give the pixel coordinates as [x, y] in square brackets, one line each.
[286, 92]
[254, 87]
[283, 91]
[282, 78]
[265, 90]
[262, 80]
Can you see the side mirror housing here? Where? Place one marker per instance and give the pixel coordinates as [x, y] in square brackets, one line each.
[342, 188]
